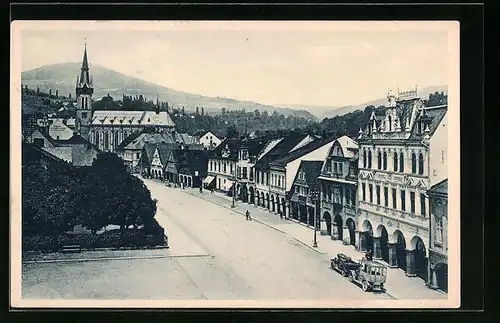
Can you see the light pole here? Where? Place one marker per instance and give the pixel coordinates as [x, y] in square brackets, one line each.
[315, 194]
[234, 186]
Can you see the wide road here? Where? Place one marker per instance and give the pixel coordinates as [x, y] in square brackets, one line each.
[214, 254]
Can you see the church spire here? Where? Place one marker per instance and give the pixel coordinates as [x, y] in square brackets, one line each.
[84, 73]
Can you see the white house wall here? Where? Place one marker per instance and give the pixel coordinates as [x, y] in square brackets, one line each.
[292, 167]
[439, 153]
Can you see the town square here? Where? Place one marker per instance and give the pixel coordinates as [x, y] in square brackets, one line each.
[132, 190]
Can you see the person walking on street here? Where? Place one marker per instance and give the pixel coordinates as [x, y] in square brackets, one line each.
[247, 216]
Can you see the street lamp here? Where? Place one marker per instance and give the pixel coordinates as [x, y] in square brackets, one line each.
[315, 195]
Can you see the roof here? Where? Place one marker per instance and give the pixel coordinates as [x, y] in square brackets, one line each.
[138, 141]
[348, 145]
[30, 151]
[439, 188]
[282, 148]
[190, 161]
[76, 140]
[227, 149]
[255, 145]
[117, 118]
[312, 170]
[435, 114]
[302, 151]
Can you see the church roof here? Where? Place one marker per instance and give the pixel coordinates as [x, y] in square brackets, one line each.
[118, 118]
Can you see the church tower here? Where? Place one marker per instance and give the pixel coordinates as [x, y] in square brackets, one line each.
[84, 92]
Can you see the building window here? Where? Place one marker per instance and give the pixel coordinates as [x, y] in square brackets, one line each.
[353, 198]
[137, 155]
[394, 198]
[348, 196]
[422, 204]
[439, 229]
[378, 194]
[335, 168]
[403, 200]
[363, 188]
[390, 123]
[369, 159]
[421, 164]
[401, 163]
[412, 202]
[386, 197]
[106, 141]
[231, 168]
[413, 163]
[84, 115]
[395, 161]
[340, 169]
[379, 160]
[364, 158]
[385, 161]
[218, 166]
[267, 180]
[370, 188]
[297, 190]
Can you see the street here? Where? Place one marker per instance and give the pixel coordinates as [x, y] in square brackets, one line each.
[214, 254]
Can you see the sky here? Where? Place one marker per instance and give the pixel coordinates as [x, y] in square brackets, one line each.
[273, 64]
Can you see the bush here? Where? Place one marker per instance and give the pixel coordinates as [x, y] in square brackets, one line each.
[41, 242]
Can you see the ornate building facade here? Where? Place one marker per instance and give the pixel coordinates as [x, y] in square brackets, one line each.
[402, 154]
[338, 191]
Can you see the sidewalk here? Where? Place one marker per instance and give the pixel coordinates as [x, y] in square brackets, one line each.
[397, 285]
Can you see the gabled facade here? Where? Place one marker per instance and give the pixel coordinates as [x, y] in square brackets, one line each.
[338, 191]
[302, 206]
[282, 171]
[209, 140]
[397, 154]
[222, 166]
[438, 250]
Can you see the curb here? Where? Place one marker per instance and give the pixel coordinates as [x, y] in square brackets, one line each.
[308, 246]
[109, 258]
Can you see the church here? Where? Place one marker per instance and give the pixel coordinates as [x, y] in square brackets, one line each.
[108, 129]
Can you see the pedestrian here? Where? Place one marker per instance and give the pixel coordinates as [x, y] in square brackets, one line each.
[281, 215]
[247, 215]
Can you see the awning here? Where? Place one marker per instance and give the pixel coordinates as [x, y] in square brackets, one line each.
[338, 180]
[228, 185]
[208, 180]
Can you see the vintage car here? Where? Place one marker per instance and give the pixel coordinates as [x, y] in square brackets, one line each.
[343, 264]
[370, 274]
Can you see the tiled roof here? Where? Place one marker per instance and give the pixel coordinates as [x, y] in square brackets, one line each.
[302, 151]
[256, 145]
[439, 188]
[349, 146]
[436, 114]
[232, 144]
[190, 161]
[312, 170]
[281, 149]
[117, 118]
[138, 141]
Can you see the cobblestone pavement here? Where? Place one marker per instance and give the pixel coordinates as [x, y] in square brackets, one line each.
[398, 284]
[214, 254]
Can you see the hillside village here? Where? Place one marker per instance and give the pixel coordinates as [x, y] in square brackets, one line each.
[374, 179]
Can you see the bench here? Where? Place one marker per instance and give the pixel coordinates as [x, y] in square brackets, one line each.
[71, 248]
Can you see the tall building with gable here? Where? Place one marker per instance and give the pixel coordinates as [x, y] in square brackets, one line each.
[402, 154]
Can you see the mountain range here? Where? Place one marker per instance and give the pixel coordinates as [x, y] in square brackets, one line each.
[106, 81]
[62, 77]
[331, 111]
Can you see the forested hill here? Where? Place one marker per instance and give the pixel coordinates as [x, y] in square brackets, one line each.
[62, 77]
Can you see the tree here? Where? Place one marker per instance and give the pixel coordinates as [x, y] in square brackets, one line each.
[202, 111]
[197, 111]
[232, 132]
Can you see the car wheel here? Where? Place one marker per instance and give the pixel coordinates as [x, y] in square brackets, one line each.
[351, 277]
[365, 286]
